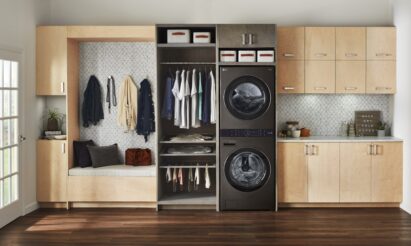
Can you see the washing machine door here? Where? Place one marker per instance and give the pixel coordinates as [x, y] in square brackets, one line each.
[247, 97]
[247, 169]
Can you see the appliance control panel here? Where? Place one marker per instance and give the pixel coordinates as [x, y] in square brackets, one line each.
[246, 133]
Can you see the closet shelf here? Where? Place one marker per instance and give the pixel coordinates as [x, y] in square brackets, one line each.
[193, 154]
[189, 198]
[187, 166]
[188, 142]
[187, 63]
[247, 63]
[190, 45]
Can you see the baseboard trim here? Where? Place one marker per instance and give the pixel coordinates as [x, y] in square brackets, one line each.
[338, 205]
[112, 204]
[187, 207]
[30, 208]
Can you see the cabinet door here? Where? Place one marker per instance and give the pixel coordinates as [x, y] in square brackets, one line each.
[319, 76]
[232, 35]
[350, 43]
[290, 77]
[261, 35]
[381, 77]
[320, 43]
[323, 172]
[387, 172]
[381, 43]
[292, 172]
[350, 76]
[51, 60]
[52, 171]
[355, 172]
[290, 43]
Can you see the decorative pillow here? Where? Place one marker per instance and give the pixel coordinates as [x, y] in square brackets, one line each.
[102, 156]
[81, 153]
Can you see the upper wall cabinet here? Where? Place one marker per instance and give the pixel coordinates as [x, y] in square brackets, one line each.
[320, 43]
[51, 61]
[381, 43]
[290, 43]
[350, 43]
[239, 35]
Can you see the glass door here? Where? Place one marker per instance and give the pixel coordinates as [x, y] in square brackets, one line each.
[10, 204]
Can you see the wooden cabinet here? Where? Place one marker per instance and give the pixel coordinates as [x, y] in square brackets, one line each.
[292, 173]
[381, 43]
[320, 77]
[51, 61]
[381, 77]
[355, 172]
[52, 170]
[350, 43]
[350, 77]
[320, 43]
[387, 172]
[251, 35]
[290, 77]
[290, 43]
[323, 172]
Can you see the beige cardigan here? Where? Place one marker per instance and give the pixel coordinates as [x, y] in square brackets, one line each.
[127, 110]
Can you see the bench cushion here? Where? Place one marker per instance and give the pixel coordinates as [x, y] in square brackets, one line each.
[115, 171]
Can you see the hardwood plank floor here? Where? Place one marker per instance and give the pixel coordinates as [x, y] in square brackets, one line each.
[365, 226]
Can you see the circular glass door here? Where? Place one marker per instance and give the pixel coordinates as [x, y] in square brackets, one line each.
[247, 169]
[247, 97]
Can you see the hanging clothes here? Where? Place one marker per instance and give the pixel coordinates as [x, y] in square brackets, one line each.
[167, 111]
[177, 101]
[187, 94]
[181, 96]
[145, 115]
[190, 181]
[195, 122]
[197, 178]
[168, 175]
[111, 97]
[207, 101]
[212, 99]
[92, 108]
[207, 178]
[127, 111]
[180, 178]
[200, 96]
[174, 179]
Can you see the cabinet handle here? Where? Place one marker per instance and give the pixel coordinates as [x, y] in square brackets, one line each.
[320, 88]
[307, 149]
[380, 88]
[63, 148]
[370, 149]
[244, 39]
[383, 54]
[320, 54]
[351, 88]
[313, 149]
[288, 88]
[288, 54]
[62, 87]
[375, 149]
[350, 54]
[250, 38]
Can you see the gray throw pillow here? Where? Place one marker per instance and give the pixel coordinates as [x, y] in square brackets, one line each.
[102, 156]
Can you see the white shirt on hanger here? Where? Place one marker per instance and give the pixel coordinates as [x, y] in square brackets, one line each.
[195, 122]
[181, 96]
[213, 100]
[176, 90]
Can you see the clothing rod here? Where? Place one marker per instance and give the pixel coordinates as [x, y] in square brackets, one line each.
[213, 166]
[187, 63]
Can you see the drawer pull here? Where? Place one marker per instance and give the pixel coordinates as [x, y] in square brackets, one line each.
[288, 88]
[351, 88]
[320, 88]
[351, 54]
[382, 54]
[320, 54]
[288, 55]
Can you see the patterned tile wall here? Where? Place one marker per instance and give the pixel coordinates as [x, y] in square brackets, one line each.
[118, 60]
[324, 114]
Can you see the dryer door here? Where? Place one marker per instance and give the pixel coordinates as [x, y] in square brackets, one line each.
[247, 97]
[247, 169]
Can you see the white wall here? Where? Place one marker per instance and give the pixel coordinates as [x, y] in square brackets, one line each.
[284, 12]
[18, 19]
[402, 100]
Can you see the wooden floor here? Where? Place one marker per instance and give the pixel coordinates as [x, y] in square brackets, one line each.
[363, 227]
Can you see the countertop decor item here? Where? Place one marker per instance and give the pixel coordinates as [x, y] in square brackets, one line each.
[381, 129]
[305, 132]
[367, 122]
[296, 133]
[54, 120]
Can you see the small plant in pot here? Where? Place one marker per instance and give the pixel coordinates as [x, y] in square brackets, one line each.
[381, 129]
[54, 119]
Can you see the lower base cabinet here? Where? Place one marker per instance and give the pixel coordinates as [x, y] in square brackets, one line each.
[340, 172]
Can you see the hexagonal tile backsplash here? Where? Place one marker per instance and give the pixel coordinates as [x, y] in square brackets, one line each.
[118, 60]
[324, 114]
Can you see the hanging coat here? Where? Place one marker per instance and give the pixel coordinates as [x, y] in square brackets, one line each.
[145, 116]
[127, 108]
[92, 108]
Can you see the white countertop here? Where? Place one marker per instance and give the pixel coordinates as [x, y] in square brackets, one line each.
[337, 139]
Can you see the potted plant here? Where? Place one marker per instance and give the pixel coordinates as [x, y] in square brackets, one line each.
[381, 129]
[54, 119]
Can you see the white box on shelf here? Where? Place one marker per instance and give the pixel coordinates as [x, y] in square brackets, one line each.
[246, 56]
[228, 56]
[202, 37]
[178, 36]
[265, 56]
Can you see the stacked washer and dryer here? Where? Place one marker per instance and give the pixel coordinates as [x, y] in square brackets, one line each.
[247, 139]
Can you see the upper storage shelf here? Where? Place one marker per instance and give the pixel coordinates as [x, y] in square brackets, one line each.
[163, 41]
